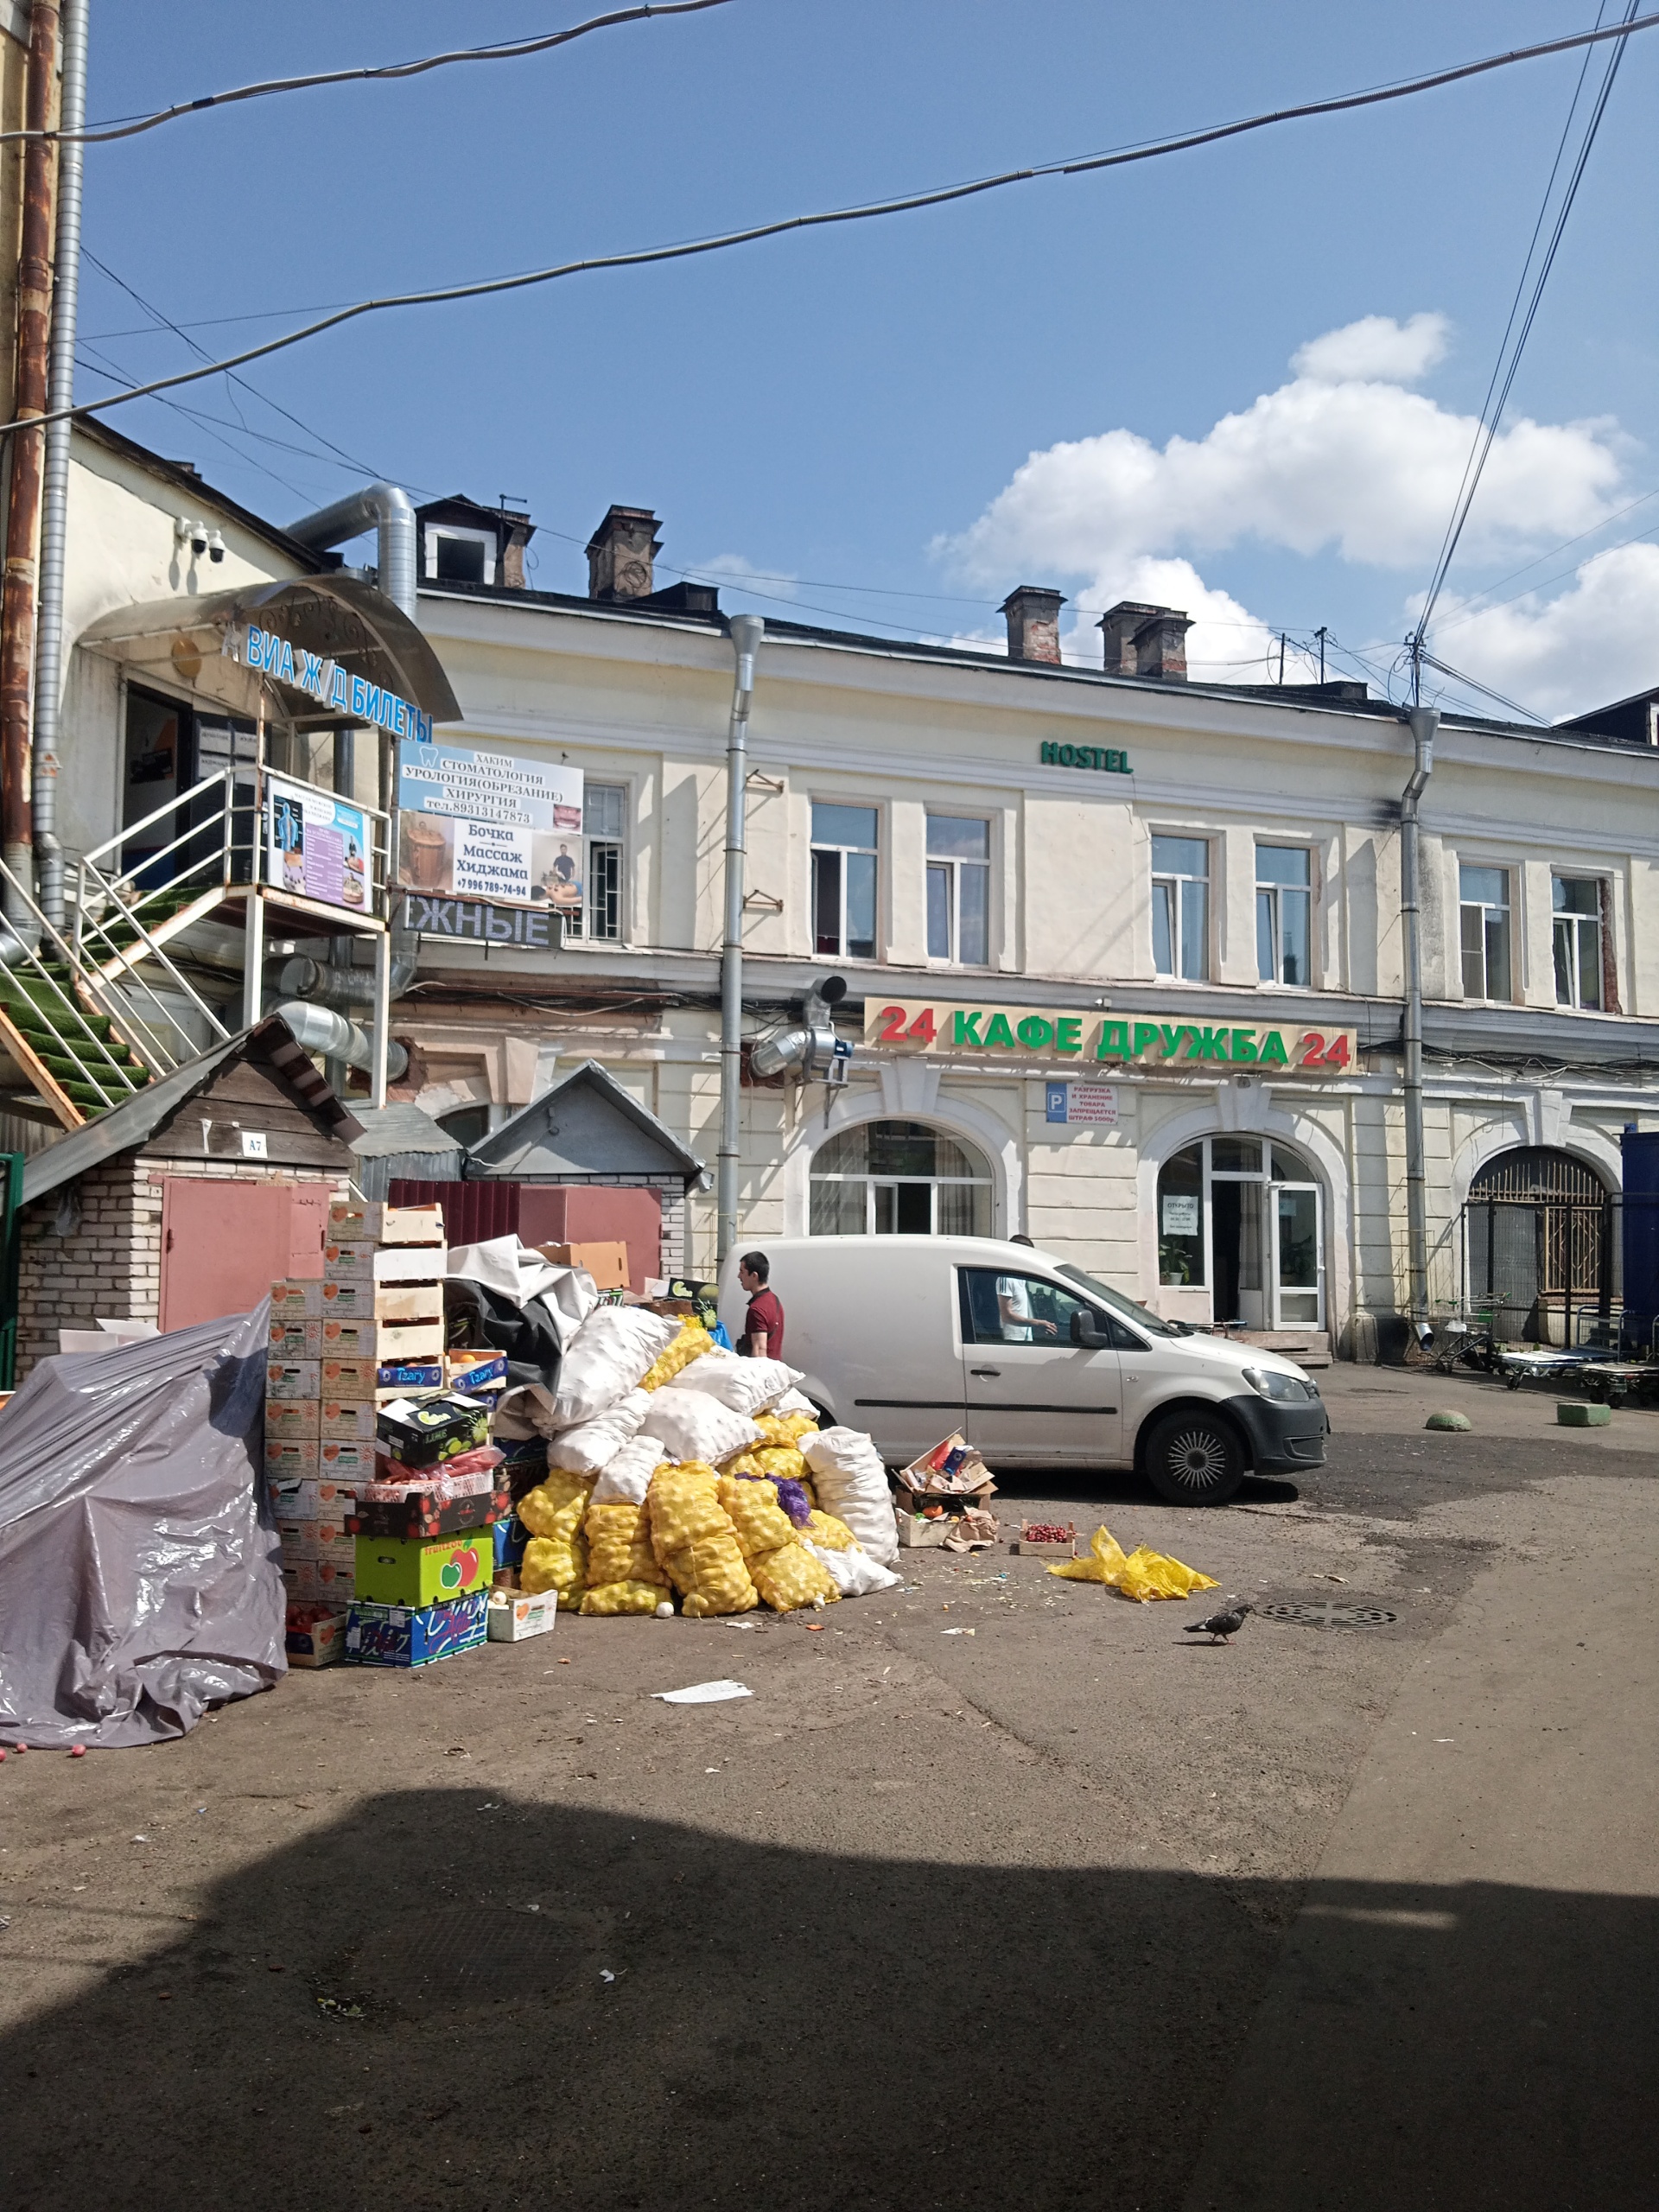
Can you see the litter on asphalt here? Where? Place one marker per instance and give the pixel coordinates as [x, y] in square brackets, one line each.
[704, 1693]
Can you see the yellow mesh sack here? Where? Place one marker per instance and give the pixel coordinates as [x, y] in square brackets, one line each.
[791, 1576]
[612, 1597]
[711, 1577]
[824, 1528]
[619, 1546]
[781, 1461]
[684, 1505]
[742, 1463]
[691, 1343]
[547, 1510]
[761, 1523]
[555, 1563]
[785, 1428]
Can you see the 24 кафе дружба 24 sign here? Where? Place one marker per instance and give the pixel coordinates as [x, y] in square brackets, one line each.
[924, 1026]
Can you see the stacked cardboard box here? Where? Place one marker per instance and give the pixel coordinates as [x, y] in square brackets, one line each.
[383, 1272]
[425, 1533]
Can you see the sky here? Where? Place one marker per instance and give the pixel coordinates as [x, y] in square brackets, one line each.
[1243, 381]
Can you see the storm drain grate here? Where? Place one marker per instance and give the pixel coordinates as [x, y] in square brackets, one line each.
[1328, 1612]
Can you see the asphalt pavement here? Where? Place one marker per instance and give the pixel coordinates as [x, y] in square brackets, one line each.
[996, 1888]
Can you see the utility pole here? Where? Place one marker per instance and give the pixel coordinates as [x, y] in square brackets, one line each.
[1424, 721]
[1320, 634]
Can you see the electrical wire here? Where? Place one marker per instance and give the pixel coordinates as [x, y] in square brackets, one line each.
[1492, 413]
[907, 203]
[100, 134]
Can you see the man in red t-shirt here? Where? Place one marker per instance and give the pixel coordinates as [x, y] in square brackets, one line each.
[763, 1326]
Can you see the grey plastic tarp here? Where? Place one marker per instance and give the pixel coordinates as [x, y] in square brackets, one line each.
[140, 1568]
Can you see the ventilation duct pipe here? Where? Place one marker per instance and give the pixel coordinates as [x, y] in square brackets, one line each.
[328, 984]
[319, 1029]
[1424, 722]
[812, 1047]
[385, 509]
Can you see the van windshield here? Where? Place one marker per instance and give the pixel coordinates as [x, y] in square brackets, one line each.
[1126, 1307]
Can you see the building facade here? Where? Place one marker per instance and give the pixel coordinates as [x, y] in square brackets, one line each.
[1123, 954]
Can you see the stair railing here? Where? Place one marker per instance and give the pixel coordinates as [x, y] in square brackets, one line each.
[60, 1013]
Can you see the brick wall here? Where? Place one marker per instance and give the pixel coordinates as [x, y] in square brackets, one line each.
[110, 1261]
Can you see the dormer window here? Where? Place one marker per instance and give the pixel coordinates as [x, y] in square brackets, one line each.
[457, 556]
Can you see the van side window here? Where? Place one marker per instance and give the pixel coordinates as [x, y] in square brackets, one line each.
[1020, 1309]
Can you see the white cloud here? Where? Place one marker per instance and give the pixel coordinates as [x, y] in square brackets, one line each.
[732, 568]
[1377, 347]
[1343, 458]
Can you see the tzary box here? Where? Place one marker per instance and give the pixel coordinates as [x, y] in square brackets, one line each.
[294, 1417]
[295, 1339]
[295, 1298]
[291, 1459]
[409, 1301]
[292, 1378]
[348, 1378]
[347, 1422]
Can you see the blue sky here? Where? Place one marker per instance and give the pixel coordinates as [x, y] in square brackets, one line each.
[855, 409]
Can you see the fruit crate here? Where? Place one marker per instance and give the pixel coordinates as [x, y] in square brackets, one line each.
[1049, 1539]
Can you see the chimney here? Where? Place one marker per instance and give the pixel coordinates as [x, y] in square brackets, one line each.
[620, 553]
[1033, 618]
[516, 530]
[1145, 640]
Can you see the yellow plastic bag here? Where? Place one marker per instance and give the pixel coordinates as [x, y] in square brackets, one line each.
[613, 1598]
[691, 1343]
[1142, 1574]
[545, 1510]
[711, 1577]
[555, 1563]
[684, 1505]
[790, 1576]
[824, 1528]
[753, 1509]
[619, 1546]
[781, 1461]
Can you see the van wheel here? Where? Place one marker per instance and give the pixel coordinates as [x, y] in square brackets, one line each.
[1193, 1458]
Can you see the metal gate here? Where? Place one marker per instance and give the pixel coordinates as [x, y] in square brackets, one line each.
[1541, 1247]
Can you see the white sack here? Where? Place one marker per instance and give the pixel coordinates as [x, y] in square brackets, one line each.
[795, 1401]
[626, 1478]
[852, 1484]
[854, 1573]
[747, 1386]
[522, 1411]
[615, 1346]
[696, 1427]
[594, 1444]
[513, 1270]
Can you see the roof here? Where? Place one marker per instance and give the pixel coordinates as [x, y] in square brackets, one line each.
[124, 1128]
[586, 1124]
[400, 1128]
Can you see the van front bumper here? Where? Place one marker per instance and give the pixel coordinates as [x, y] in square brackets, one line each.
[1283, 1437]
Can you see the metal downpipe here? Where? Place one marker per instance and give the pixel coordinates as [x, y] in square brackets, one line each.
[54, 497]
[747, 631]
[1424, 720]
[385, 508]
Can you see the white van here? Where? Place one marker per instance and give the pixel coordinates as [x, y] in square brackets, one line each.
[1037, 1363]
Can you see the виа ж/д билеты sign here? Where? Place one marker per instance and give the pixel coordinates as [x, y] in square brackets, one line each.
[1022, 1033]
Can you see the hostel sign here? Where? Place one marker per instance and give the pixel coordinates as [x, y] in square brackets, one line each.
[1019, 1033]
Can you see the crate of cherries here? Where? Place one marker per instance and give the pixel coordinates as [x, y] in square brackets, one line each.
[1058, 1539]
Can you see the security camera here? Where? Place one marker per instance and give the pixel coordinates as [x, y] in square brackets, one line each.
[215, 546]
[198, 538]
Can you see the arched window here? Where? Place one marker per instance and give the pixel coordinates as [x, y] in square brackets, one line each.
[887, 1178]
[1242, 1217]
[1538, 1241]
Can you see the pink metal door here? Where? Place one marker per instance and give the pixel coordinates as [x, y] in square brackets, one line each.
[222, 1245]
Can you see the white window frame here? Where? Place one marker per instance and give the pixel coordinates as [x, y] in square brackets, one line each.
[1177, 932]
[1573, 923]
[583, 933]
[952, 868]
[458, 534]
[1511, 875]
[1276, 980]
[814, 848]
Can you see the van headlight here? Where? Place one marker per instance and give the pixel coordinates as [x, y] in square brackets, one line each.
[1268, 1382]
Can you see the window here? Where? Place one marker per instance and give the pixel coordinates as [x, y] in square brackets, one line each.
[958, 889]
[1284, 876]
[1577, 903]
[1180, 907]
[604, 814]
[458, 555]
[843, 881]
[900, 1179]
[1484, 904]
[1014, 1309]
[469, 1125]
[1243, 1218]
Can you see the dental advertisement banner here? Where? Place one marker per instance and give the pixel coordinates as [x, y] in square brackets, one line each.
[478, 824]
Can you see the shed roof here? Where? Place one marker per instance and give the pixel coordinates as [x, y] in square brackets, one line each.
[586, 1124]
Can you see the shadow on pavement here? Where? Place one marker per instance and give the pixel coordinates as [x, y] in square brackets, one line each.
[818, 2032]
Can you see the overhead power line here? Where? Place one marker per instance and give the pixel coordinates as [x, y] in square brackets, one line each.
[100, 134]
[482, 287]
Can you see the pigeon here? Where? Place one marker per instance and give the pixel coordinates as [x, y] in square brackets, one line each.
[1221, 1628]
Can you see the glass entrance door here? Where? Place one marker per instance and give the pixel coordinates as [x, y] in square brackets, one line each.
[1298, 1257]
